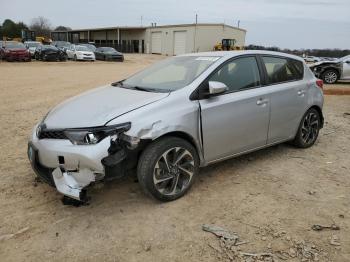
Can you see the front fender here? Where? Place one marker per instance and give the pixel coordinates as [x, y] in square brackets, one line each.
[174, 114]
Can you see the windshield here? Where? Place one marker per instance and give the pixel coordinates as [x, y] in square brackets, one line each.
[171, 74]
[33, 44]
[46, 47]
[14, 45]
[108, 49]
[62, 44]
[91, 47]
[81, 48]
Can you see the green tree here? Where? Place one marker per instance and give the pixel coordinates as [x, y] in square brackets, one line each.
[11, 29]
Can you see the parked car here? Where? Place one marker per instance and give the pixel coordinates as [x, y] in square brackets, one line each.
[14, 51]
[62, 45]
[312, 59]
[91, 47]
[180, 114]
[49, 53]
[332, 71]
[1, 52]
[79, 52]
[31, 46]
[108, 53]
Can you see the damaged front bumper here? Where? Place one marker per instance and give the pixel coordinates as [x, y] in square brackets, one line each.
[71, 168]
[72, 184]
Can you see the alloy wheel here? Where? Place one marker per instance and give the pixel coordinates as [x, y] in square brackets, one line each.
[310, 127]
[173, 171]
[330, 77]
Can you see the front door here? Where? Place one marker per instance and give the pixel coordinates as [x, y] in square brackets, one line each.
[346, 69]
[70, 52]
[236, 121]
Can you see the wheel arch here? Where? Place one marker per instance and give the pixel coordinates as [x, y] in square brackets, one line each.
[319, 110]
[185, 136]
[179, 134]
[336, 69]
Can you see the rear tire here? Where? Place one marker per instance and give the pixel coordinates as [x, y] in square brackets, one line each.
[167, 168]
[330, 76]
[308, 129]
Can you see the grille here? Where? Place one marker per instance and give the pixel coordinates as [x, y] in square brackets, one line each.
[52, 134]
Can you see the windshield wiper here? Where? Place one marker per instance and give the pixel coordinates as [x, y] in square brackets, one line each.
[145, 89]
[119, 83]
[141, 88]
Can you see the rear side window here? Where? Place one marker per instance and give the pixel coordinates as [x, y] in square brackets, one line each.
[239, 74]
[282, 69]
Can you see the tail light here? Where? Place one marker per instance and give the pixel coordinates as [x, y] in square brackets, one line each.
[319, 83]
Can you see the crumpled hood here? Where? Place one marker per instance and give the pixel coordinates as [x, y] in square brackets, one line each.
[98, 106]
[323, 62]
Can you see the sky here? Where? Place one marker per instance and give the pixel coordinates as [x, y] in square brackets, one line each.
[292, 24]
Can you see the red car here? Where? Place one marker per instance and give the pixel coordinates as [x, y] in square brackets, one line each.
[14, 51]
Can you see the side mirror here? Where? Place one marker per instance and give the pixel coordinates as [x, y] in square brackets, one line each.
[217, 87]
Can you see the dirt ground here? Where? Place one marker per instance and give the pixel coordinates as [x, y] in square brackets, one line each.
[269, 198]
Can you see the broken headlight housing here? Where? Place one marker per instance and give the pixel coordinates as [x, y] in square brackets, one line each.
[93, 135]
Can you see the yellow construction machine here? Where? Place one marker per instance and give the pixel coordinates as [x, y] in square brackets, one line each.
[227, 45]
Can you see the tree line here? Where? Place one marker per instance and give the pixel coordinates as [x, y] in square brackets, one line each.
[40, 25]
[308, 52]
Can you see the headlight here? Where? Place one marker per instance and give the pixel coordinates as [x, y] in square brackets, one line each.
[93, 135]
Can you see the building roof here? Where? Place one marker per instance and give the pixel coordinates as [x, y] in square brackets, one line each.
[145, 27]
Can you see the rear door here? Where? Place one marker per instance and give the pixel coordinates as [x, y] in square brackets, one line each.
[235, 121]
[288, 94]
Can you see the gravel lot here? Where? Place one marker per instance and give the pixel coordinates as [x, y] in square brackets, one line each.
[270, 198]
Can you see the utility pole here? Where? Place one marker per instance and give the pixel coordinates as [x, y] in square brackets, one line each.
[141, 20]
[239, 21]
[195, 33]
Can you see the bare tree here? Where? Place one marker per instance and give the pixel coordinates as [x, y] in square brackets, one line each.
[41, 26]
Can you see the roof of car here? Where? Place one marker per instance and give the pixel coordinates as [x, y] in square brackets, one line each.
[229, 54]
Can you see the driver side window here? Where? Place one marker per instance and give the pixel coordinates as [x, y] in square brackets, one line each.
[239, 74]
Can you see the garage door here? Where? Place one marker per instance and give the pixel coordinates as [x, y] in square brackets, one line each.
[180, 42]
[156, 43]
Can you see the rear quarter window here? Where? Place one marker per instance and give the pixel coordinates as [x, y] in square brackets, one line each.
[281, 69]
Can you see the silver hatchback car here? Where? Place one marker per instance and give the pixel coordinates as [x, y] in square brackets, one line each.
[180, 114]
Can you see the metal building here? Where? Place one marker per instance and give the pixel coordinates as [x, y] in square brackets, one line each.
[166, 40]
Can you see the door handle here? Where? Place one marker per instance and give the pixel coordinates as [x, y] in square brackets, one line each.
[301, 92]
[261, 102]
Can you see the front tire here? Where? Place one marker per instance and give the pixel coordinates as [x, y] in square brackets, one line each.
[75, 58]
[308, 129]
[167, 168]
[330, 76]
